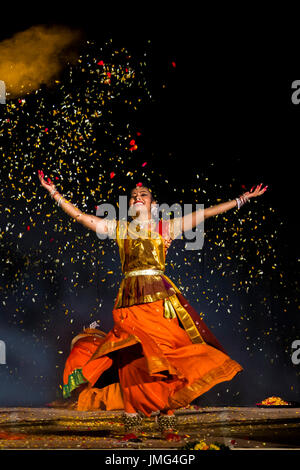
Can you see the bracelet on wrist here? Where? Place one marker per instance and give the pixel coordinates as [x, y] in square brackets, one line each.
[59, 201]
[240, 201]
[52, 194]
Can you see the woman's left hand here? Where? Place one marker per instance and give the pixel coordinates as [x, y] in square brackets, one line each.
[258, 191]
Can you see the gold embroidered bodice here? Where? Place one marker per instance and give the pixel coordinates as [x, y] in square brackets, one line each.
[146, 251]
[139, 251]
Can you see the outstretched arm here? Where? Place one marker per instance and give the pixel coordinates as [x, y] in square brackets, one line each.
[190, 221]
[89, 221]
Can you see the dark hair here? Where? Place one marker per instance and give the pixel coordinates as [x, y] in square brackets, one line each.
[152, 196]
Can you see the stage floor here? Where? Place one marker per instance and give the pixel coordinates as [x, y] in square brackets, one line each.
[238, 428]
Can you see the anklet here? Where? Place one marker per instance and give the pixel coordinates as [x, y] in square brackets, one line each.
[166, 422]
[131, 421]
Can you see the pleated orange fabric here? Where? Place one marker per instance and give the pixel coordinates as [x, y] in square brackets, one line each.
[156, 365]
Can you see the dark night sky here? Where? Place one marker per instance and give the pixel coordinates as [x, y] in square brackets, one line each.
[222, 103]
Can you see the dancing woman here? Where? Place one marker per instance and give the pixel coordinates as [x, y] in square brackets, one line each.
[160, 355]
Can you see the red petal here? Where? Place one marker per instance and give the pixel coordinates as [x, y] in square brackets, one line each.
[129, 436]
[172, 437]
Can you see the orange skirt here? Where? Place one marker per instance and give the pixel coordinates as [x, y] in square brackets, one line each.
[145, 363]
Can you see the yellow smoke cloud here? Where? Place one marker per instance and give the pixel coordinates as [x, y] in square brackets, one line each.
[36, 56]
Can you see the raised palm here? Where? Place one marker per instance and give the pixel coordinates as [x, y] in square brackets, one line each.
[49, 186]
[258, 191]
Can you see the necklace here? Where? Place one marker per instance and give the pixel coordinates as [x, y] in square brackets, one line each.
[144, 223]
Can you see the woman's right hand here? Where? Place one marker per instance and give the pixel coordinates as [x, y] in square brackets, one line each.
[49, 186]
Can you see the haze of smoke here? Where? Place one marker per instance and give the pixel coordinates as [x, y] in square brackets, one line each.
[35, 56]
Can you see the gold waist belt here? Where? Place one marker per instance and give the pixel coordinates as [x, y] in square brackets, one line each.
[169, 310]
[143, 272]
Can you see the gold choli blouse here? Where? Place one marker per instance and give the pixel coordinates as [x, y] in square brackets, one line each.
[140, 251]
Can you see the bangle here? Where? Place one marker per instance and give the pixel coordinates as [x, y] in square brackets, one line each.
[53, 192]
[59, 201]
[240, 201]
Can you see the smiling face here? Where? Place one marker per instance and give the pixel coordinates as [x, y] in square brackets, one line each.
[141, 200]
